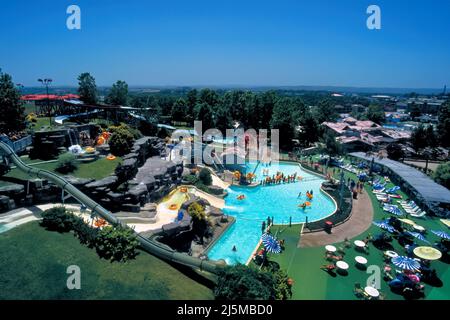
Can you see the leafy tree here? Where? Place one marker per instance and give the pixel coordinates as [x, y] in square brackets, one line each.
[209, 97]
[395, 151]
[443, 126]
[67, 163]
[268, 100]
[203, 112]
[179, 110]
[12, 117]
[240, 282]
[199, 220]
[414, 111]
[375, 113]
[205, 177]
[283, 289]
[87, 89]
[442, 174]
[119, 94]
[191, 102]
[423, 136]
[331, 146]
[284, 118]
[325, 111]
[121, 141]
[116, 243]
[307, 132]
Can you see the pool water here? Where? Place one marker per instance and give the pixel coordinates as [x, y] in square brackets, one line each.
[277, 201]
[3, 228]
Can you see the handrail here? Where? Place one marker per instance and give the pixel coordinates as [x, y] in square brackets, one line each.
[151, 246]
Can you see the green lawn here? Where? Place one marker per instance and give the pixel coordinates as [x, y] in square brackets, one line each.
[34, 262]
[98, 169]
[44, 123]
[303, 264]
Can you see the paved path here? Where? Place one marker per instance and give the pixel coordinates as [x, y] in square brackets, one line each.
[360, 220]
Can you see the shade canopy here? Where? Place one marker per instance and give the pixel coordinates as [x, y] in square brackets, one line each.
[270, 243]
[406, 263]
[427, 253]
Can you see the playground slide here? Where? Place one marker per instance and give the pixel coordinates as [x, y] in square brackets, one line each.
[151, 246]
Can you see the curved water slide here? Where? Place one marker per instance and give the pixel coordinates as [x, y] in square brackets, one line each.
[151, 246]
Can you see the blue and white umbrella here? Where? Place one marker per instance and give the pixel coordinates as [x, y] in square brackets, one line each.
[393, 189]
[270, 243]
[395, 210]
[406, 263]
[441, 234]
[418, 235]
[384, 225]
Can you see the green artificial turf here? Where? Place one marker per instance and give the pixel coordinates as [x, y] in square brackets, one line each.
[310, 282]
[98, 169]
[33, 263]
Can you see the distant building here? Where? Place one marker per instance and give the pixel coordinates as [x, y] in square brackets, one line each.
[364, 135]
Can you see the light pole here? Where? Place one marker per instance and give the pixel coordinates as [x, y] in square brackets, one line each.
[46, 82]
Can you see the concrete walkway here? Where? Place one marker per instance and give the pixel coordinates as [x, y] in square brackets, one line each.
[360, 220]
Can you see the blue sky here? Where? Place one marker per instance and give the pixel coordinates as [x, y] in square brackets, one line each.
[230, 42]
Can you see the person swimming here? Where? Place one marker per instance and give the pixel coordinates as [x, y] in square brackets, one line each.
[234, 248]
[299, 194]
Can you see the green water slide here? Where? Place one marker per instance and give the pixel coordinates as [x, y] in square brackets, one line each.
[151, 246]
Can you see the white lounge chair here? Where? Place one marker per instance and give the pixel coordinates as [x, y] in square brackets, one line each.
[418, 215]
[414, 211]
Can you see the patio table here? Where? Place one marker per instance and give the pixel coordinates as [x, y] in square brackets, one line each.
[330, 248]
[371, 291]
[359, 243]
[391, 254]
[342, 265]
[361, 260]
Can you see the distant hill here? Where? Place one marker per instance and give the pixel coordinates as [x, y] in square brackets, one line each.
[345, 90]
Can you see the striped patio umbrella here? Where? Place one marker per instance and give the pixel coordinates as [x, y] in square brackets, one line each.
[417, 235]
[270, 243]
[384, 225]
[441, 234]
[406, 263]
[395, 210]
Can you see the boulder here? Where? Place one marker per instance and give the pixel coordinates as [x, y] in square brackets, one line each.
[107, 182]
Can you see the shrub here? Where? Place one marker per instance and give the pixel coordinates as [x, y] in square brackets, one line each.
[116, 243]
[121, 142]
[442, 174]
[191, 179]
[240, 282]
[67, 163]
[57, 219]
[205, 177]
[200, 221]
[85, 233]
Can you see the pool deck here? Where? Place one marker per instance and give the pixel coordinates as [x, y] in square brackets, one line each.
[360, 220]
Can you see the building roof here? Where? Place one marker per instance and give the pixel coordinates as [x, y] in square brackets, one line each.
[427, 188]
[338, 127]
[36, 97]
[396, 134]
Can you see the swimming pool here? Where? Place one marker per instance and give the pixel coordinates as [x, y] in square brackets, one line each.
[3, 228]
[277, 201]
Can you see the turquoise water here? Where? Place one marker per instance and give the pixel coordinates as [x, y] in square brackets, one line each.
[277, 201]
[3, 228]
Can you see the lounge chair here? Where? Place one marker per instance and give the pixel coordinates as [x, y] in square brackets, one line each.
[359, 292]
[418, 215]
[412, 211]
